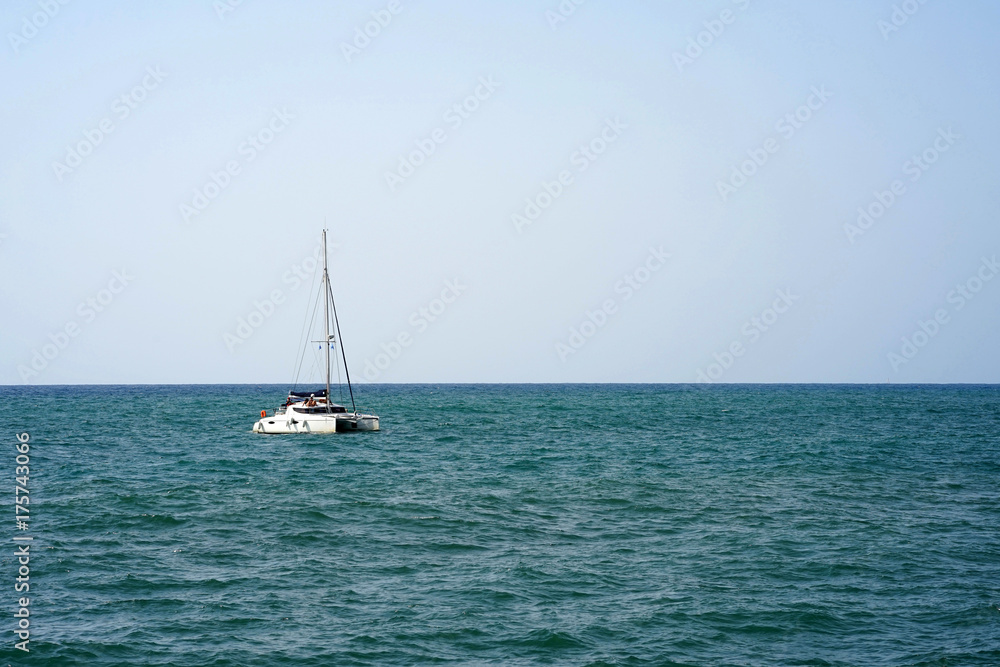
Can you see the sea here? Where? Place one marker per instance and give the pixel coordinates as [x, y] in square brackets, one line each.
[716, 525]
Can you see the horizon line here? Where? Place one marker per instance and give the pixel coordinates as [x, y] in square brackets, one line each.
[365, 384]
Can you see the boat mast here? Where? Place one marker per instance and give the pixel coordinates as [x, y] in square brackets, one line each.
[326, 320]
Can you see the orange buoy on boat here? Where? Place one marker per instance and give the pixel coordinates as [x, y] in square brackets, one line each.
[263, 413]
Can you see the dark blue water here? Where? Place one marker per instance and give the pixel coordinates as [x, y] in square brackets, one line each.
[514, 525]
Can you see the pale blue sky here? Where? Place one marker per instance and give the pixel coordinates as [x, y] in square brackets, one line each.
[336, 127]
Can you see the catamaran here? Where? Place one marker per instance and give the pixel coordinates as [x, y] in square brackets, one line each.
[313, 411]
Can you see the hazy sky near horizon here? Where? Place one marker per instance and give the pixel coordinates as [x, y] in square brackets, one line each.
[519, 191]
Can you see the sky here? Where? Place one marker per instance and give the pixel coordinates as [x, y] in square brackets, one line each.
[517, 191]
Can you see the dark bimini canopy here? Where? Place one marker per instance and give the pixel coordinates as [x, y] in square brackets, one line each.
[319, 393]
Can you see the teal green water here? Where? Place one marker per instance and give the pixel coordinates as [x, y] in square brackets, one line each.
[513, 525]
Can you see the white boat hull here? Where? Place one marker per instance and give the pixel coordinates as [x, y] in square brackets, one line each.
[318, 423]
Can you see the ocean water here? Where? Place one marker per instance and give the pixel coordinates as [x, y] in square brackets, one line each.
[512, 525]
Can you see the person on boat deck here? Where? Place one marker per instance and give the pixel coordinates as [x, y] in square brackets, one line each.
[311, 402]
